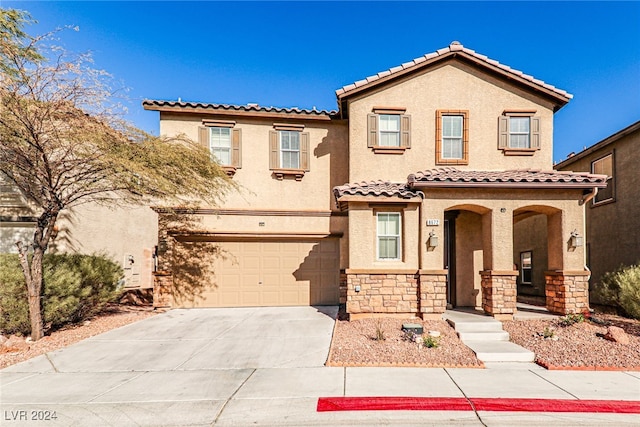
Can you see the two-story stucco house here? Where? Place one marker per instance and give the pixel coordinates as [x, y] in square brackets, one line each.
[430, 187]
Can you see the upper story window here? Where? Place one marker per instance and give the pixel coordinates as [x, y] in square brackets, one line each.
[289, 151]
[452, 137]
[519, 133]
[224, 142]
[220, 144]
[388, 236]
[604, 166]
[389, 130]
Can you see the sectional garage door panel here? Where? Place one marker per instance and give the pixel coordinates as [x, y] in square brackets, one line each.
[266, 273]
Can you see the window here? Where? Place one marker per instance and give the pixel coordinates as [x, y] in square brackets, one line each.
[224, 142]
[388, 130]
[289, 151]
[519, 133]
[525, 268]
[452, 137]
[220, 144]
[604, 166]
[388, 236]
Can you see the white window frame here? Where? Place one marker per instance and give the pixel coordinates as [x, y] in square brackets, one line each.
[396, 132]
[213, 148]
[397, 236]
[289, 150]
[520, 133]
[522, 267]
[457, 138]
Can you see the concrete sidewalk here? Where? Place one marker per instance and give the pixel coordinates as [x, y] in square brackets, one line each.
[186, 368]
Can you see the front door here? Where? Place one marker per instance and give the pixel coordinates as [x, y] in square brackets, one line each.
[450, 256]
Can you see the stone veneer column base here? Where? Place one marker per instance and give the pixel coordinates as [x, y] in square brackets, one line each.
[567, 291]
[162, 289]
[499, 293]
[433, 293]
[388, 292]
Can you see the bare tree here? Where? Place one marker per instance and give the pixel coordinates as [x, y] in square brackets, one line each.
[63, 144]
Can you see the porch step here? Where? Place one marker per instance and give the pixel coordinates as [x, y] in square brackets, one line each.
[500, 351]
[484, 335]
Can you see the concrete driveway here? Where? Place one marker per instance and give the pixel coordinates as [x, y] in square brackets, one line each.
[195, 339]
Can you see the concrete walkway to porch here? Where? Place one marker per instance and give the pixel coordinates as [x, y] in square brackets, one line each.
[484, 335]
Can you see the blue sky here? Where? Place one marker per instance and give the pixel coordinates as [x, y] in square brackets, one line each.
[288, 54]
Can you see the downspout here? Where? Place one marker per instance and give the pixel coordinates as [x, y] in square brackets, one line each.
[585, 199]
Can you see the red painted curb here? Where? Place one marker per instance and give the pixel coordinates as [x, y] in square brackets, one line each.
[329, 404]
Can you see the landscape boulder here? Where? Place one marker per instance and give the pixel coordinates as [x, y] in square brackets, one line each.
[616, 334]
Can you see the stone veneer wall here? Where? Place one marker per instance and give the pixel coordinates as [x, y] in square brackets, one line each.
[162, 289]
[499, 292]
[393, 293]
[567, 291]
[433, 292]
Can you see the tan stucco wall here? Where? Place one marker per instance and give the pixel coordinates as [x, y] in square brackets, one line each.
[469, 260]
[530, 234]
[362, 237]
[260, 190]
[454, 86]
[613, 229]
[115, 232]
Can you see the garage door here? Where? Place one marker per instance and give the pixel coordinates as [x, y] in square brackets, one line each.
[263, 273]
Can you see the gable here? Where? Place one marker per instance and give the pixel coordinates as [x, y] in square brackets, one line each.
[454, 52]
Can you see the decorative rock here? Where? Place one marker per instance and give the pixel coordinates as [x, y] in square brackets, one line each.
[15, 343]
[3, 339]
[434, 333]
[87, 323]
[616, 334]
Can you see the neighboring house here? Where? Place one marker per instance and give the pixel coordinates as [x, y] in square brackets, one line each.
[128, 236]
[613, 215]
[430, 187]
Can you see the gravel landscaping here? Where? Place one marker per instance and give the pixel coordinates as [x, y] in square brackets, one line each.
[578, 346]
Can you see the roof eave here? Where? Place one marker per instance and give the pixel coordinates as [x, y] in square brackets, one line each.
[509, 185]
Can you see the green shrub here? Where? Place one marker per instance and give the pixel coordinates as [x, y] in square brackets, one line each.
[75, 287]
[430, 342]
[622, 288]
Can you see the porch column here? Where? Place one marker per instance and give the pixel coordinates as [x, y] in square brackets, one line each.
[162, 289]
[499, 293]
[567, 291]
[432, 293]
[498, 282]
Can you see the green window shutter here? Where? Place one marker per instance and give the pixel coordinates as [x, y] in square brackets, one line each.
[535, 132]
[503, 132]
[372, 130]
[405, 129]
[203, 136]
[304, 151]
[236, 148]
[274, 152]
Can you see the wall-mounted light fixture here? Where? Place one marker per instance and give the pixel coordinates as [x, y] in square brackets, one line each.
[576, 240]
[162, 247]
[433, 240]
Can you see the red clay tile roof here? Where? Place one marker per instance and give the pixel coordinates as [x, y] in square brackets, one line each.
[151, 104]
[376, 188]
[455, 48]
[521, 178]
